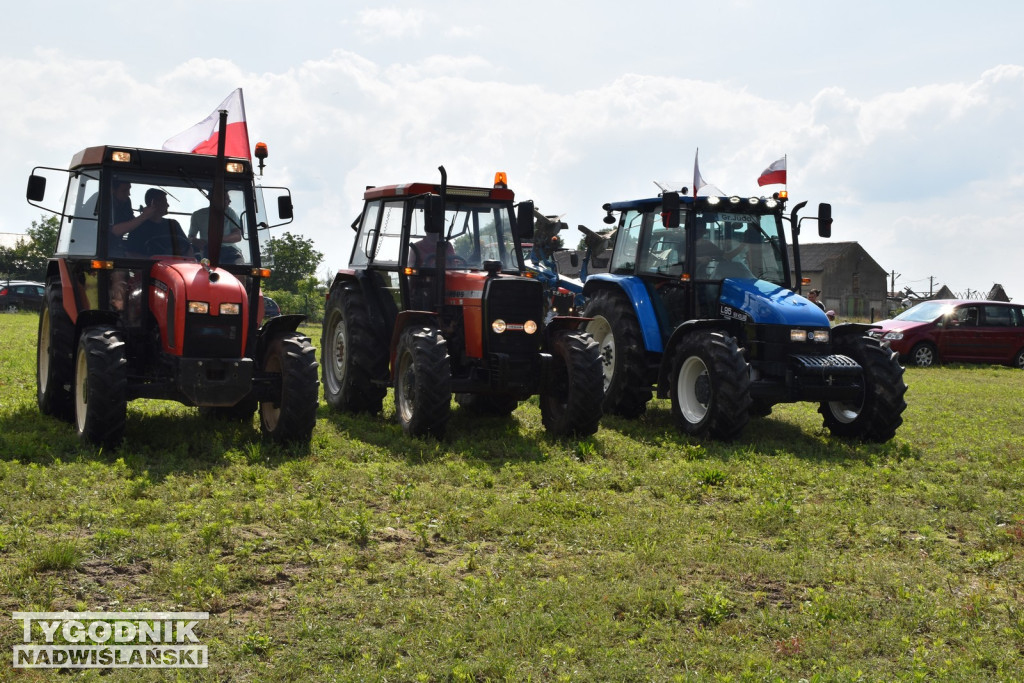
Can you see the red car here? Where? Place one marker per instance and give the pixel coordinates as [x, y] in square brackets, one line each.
[957, 330]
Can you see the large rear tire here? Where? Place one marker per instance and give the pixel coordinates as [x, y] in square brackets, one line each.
[617, 332]
[101, 386]
[710, 385]
[423, 394]
[290, 418]
[878, 412]
[352, 357]
[573, 408]
[55, 357]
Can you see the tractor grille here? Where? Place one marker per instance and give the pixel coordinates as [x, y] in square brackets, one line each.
[208, 336]
[515, 300]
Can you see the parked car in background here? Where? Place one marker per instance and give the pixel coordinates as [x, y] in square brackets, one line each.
[948, 330]
[20, 295]
[270, 308]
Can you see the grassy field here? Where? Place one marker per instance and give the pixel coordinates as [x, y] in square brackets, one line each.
[500, 554]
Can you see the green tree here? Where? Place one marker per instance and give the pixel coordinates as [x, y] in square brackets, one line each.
[294, 259]
[26, 260]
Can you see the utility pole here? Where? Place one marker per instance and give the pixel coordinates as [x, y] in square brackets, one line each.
[892, 287]
[931, 285]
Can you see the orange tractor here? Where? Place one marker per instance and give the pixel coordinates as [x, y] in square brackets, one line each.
[436, 302]
[135, 309]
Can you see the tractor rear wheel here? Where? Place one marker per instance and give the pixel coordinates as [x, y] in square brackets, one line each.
[352, 357]
[101, 386]
[55, 357]
[878, 412]
[292, 415]
[573, 408]
[621, 346]
[710, 385]
[423, 394]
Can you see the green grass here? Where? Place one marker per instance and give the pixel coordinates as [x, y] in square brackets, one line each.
[501, 554]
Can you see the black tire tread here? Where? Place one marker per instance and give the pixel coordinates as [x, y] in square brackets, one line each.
[729, 410]
[575, 408]
[627, 395]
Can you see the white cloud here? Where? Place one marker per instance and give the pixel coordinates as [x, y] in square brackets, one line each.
[389, 23]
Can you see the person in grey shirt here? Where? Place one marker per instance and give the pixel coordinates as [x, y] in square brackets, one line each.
[200, 223]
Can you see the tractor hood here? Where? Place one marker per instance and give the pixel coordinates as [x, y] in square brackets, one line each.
[768, 303]
[200, 312]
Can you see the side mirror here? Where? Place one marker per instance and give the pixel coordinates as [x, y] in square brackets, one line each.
[525, 220]
[433, 218]
[824, 220]
[284, 207]
[36, 188]
[670, 210]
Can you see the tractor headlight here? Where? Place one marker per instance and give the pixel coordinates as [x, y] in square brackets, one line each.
[498, 326]
[230, 309]
[529, 327]
[799, 336]
[199, 307]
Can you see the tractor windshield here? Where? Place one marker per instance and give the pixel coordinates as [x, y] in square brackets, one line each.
[187, 208]
[477, 232]
[739, 245]
[728, 244]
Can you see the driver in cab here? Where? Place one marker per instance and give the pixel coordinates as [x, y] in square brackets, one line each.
[154, 234]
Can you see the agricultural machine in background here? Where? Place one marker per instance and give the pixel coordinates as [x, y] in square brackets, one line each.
[435, 302]
[164, 318]
[697, 304]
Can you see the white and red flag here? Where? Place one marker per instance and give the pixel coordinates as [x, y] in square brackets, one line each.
[698, 180]
[202, 137]
[775, 174]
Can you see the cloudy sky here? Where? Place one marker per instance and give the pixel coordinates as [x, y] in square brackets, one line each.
[906, 116]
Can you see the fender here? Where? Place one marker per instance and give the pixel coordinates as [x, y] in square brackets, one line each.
[273, 327]
[407, 319]
[638, 296]
[852, 329]
[565, 322]
[381, 308]
[733, 327]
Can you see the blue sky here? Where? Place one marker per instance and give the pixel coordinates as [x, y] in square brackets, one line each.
[905, 116]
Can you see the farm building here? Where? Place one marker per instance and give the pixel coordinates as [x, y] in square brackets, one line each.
[851, 281]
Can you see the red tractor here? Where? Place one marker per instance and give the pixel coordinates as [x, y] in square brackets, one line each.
[135, 309]
[436, 302]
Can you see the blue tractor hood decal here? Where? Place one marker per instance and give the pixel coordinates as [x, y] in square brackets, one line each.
[768, 303]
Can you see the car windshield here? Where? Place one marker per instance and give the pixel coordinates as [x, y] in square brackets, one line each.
[924, 313]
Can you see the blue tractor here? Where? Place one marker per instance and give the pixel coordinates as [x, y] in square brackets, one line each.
[698, 305]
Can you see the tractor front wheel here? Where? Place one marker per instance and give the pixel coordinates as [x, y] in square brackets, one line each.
[290, 417]
[423, 394]
[101, 386]
[573, 407]
[55, 357]
[710, 385]
[878, 412]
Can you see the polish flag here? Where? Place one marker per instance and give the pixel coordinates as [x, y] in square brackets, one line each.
[698, 179]
[202, 137]
[775, 174]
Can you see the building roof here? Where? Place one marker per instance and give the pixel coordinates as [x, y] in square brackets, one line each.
[814, 256]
